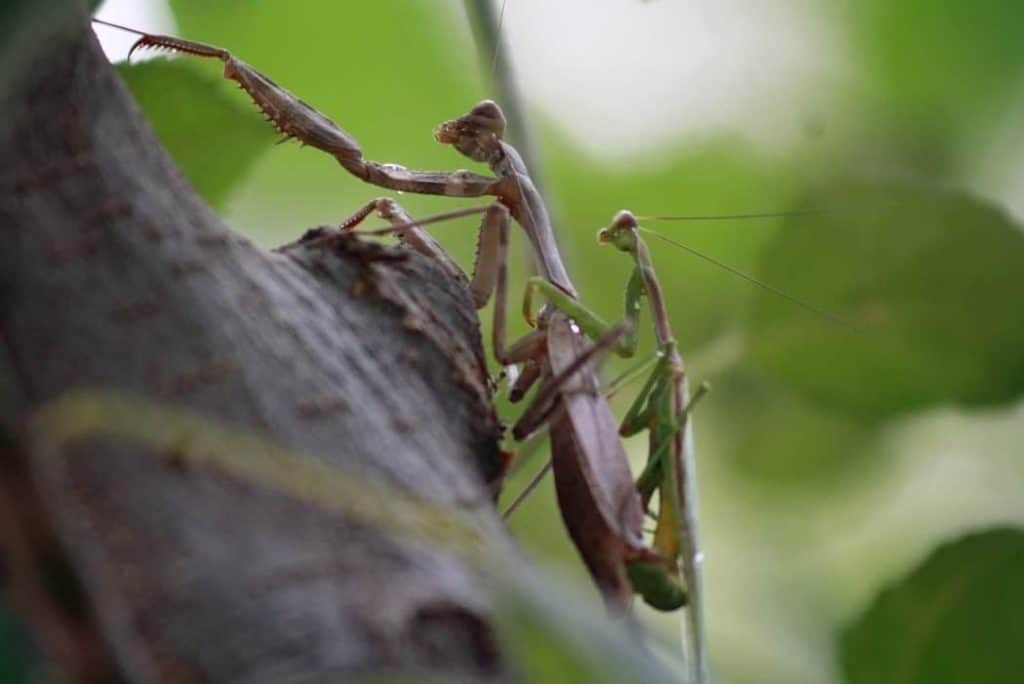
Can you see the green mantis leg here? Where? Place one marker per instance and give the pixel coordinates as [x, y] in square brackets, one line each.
[638, 417]
[661, 587]
[641, 415]
[653, 409]
[592, 325]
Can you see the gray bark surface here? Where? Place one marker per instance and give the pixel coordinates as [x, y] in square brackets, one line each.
[115, 275]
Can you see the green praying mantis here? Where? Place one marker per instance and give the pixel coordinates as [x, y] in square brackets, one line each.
[601, 503]
[662, 407]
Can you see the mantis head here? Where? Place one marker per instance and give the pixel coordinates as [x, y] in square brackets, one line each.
[622, 233]
[476, 134]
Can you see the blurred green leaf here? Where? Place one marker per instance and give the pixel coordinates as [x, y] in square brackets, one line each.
[938, 70]
[211, 133]
[775, 438]
[386, 72]
[956, 618]
[929, 284]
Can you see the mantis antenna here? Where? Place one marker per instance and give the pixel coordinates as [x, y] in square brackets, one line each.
[795, 213]
[749, 278]
[730, 217]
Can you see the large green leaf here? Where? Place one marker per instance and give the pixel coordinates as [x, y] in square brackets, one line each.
[777, 439]
[956, 618]
[928, 284]
[211, 133]
[936, 72]
[386, 72]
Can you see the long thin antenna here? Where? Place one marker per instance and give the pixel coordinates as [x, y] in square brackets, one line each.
[732, 217]
[795, 213]
[629, 376]
[749, 278]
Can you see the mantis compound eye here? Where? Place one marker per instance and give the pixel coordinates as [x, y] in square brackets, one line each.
[488, 116]
[624, 219]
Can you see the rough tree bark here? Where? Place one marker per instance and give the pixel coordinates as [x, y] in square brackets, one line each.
[113, 274]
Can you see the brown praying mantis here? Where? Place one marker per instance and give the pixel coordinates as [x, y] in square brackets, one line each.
[599, 501]
[602, 506]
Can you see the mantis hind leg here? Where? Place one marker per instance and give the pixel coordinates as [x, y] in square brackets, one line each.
[662, 586]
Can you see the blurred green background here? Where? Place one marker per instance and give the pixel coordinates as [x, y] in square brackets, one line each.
[834, 457]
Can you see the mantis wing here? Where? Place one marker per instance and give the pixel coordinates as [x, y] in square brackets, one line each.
[596, 494]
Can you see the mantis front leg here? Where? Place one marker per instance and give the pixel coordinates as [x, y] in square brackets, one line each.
[293, 118]
[592, 325]
[477, 134]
